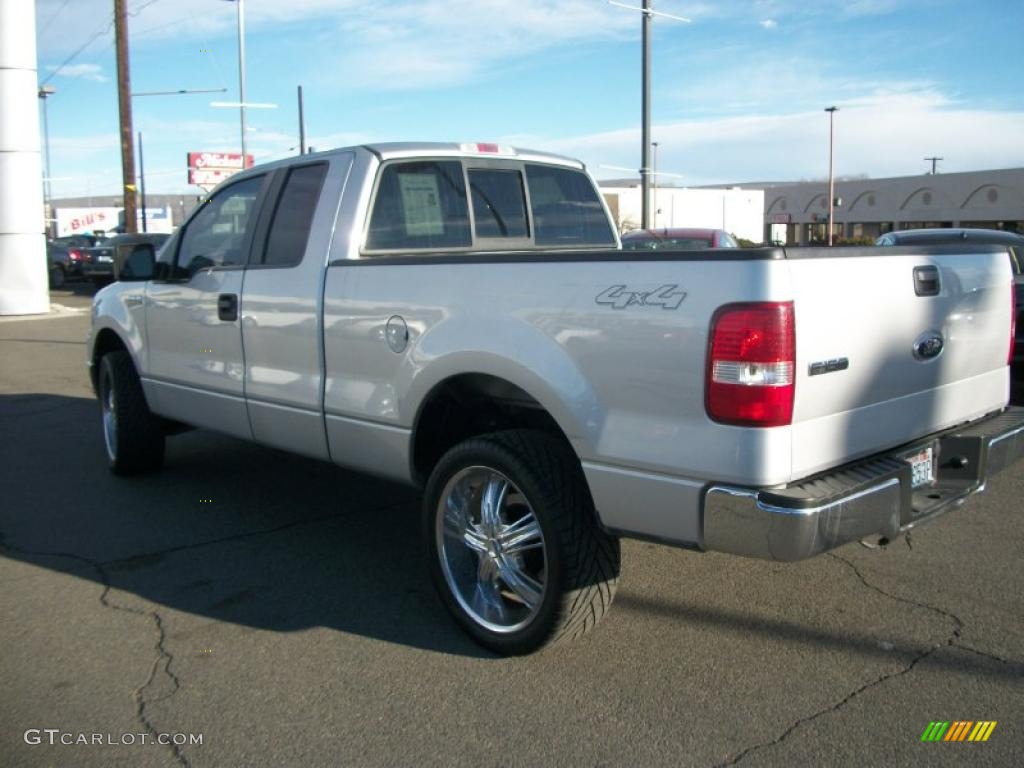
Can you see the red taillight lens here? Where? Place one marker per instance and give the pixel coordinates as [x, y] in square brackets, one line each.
[751, 365]
[1013, 320]
[74, 254]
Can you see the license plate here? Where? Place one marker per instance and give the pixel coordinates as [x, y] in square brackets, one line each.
[921, 468]
[104, 259]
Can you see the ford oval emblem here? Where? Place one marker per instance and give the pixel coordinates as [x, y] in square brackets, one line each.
[928, 345]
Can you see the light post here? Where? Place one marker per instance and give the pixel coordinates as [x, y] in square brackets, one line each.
[142, 170]
[241, 73]
[45, 91]
[645, 108]
[654, 182]
[831, 157]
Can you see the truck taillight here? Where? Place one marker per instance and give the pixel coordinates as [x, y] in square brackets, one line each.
[74, 254]
[751, 365]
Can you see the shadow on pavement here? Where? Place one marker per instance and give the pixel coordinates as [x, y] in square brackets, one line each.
[229, 530]
[256, 537]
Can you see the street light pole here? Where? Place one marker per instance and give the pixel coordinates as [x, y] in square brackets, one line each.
[45, 92]
[645, 130]
[831, 157]
[241, 76]
[646, 13]
[302, 126]
[654, 182]
[142, 185]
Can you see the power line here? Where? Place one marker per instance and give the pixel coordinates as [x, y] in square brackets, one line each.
[53, 18]
[109, 25]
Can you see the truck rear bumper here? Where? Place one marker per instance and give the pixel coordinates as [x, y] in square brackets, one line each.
[871, 497]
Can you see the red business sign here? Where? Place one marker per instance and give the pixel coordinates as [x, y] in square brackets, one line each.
[781, 218]
[208, 169]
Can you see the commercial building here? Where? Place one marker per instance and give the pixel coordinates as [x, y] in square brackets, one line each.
[796, 213]
[737, 210]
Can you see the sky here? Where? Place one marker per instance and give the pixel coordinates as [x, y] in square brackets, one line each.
[738, 91]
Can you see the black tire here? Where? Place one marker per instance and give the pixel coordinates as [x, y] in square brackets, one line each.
[579, 562]
[134, 438]
[56, 277]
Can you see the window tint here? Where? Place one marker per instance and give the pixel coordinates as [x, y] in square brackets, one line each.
[420, 205]
[566, 208]
[499, 203]
[289, 229]
[216, 236]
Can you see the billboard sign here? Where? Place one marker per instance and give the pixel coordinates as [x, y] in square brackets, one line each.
[208, 169]
[76, 221]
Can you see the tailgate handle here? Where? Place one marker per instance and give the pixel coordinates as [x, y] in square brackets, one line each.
[926, 281]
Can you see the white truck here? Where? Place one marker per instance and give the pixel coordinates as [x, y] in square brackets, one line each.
[459, 317]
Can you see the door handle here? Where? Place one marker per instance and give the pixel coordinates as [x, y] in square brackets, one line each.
[227, 307]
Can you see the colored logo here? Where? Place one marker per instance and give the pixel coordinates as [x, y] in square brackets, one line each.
[958, 730]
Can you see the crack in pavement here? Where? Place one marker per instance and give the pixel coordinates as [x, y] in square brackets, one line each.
[163, 656]
[951, 641]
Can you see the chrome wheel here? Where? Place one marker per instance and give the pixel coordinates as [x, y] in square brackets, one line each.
[492, 549]
[109, 418]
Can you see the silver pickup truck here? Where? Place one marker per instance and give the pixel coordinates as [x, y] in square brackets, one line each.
[459, 317]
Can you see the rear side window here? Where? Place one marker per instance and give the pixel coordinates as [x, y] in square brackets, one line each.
[289, 229]
[566, 208]
[420, 205]
[499, 203]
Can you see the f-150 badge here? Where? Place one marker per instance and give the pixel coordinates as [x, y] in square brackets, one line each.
[619, 297]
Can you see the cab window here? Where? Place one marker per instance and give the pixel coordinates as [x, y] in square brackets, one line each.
[420, 205]
[566, 208]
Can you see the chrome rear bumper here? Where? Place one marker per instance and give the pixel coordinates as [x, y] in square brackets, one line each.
[869, 498]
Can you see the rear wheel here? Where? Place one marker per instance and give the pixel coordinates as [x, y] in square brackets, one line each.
[56, 277]
[133, 436]
[515, 549]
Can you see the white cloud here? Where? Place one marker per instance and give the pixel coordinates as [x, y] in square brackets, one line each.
[92, 72]
[769, 24]
[884, 133]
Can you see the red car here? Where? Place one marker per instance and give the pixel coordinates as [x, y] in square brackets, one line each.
[676, 239]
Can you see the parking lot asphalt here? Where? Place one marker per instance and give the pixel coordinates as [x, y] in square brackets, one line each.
[279, 608]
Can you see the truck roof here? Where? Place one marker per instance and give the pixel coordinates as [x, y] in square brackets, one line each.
[394, 150]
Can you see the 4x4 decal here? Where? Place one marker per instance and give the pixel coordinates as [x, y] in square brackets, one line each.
[665, 296]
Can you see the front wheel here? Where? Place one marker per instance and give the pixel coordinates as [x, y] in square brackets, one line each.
[515, 549]
[132, 435]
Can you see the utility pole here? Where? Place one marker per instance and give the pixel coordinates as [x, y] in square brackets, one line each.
[831, 178]
[933, 161]
[124, 89]
[302, 126]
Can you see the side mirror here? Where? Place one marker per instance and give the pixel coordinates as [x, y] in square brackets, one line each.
[135, 265]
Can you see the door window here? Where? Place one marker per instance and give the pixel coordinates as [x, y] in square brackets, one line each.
[216, 236]
[289, 229]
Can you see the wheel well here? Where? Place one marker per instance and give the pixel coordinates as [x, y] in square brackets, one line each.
[106, 341]
[468, 405]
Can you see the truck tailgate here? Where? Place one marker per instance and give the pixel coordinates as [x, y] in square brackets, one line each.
[885, 356]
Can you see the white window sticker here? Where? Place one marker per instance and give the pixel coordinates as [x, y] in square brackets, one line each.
[422, 202]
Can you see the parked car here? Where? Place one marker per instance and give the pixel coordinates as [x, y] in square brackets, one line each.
[461, 318]
[959, 236]
[676, 239]
[98, 262]
[66, 254]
